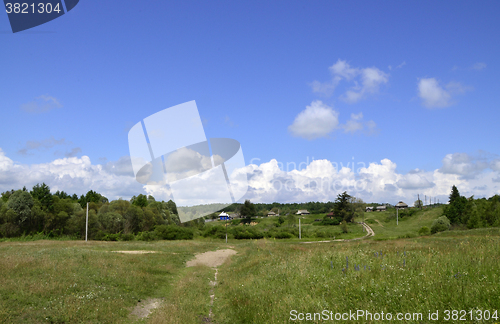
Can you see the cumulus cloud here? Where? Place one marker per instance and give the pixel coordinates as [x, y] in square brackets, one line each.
[357, 124]
[434, 95]
[464, 165]
[366, 81]
[317, 120]
[319, 180]
[41, 104]
[415, 180]
[71, 174]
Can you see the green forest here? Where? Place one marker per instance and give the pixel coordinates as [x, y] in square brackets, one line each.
[38, 212]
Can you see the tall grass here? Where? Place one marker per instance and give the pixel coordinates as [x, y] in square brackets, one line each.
[271, 279]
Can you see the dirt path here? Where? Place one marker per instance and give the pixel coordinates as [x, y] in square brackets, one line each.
[379, 222]
[212, 259]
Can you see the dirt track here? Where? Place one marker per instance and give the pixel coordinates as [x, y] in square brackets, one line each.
[211, 258]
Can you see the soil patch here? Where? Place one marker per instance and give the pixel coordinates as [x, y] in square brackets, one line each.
[135, 252]
[144, 307]
[211, 258]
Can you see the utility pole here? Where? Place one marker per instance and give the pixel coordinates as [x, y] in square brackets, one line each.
[300, 233]
[226, 217]
[87, 223]
[419, 202]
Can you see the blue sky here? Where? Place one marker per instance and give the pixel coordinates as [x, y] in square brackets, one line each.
[413, 84]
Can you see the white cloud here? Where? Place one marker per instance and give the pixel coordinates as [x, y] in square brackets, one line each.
[433, 95]
[478, 66]
[41, 104]
[464, 165]
[320, 180]
[317, 120]
[366, 81]
[356, 124]
[73, 175]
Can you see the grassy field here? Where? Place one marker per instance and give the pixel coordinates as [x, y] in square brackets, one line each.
[78, 282]
[384, 223]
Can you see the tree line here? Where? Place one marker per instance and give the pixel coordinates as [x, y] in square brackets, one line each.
[24, 212]
[471, 212]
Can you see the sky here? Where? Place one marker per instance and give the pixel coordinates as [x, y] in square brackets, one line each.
[385, 100]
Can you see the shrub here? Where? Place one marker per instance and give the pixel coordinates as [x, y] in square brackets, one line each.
[146, 236]
[283, 233]
[343, 227]
[127, 237]
[173, 232]
[440, 224]
[424, 231]
[217, 231]
[242, 233]
[113, 237]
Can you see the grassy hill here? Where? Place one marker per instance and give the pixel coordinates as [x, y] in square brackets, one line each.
[384, 223]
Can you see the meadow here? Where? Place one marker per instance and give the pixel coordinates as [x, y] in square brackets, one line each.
[267, 281]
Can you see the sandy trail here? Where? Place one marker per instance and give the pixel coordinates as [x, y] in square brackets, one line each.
[212, 259]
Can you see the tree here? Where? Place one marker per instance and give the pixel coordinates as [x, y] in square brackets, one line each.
[21, 202]
[43, 195]
[247, 210]
[341, 207]
[454, 195]
[141, 200]
[418, 203]
[133, 219]
[455, 211]
[356, 208]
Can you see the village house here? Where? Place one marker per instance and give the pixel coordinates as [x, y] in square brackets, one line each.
[401, 205]
[369, 209]
[303, 212]
[381, 208]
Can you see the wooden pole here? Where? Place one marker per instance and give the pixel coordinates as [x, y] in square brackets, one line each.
[87, 223]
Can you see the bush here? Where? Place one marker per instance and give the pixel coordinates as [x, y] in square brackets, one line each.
[424, 231]
[440, 224]
[242, 233]
[173, 232]
[343, 227]
[217, 231]
[113, 237]
[283, 233]
[330, 221]
[146, 236]
[127, 237]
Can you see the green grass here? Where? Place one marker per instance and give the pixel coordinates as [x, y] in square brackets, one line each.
[270, 279]
[310, 231]
[385, 228]
[73, 281]
[66, 282]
